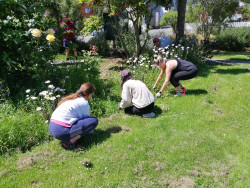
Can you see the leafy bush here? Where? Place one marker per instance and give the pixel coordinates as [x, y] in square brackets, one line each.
[102, 44]
[170, 18]
[24, 57]
[233, 39]
[93, 23]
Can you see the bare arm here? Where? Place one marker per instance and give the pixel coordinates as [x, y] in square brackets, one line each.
[168, 75]
[159, 77]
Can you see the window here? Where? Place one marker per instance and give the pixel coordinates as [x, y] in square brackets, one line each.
[87, 10]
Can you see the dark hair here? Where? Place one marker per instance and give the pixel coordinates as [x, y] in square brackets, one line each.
[65, 15]
[85, 90]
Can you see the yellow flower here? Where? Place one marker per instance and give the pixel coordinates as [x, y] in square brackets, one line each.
[50, 38]
[51, 31]
[36, 32]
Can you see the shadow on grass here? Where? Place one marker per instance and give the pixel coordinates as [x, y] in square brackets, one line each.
[98, 136]
[157, 110]
[194, 92]
[118, 68]
[232, 71]
[206, 68]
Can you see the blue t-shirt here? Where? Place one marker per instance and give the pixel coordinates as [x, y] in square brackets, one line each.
[164, 41]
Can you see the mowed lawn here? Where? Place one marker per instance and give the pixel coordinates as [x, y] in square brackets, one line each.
[199, 140]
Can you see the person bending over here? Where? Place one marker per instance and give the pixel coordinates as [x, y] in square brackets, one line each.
[136, 97]
[175, 70]
[161, 42]
[71, 119]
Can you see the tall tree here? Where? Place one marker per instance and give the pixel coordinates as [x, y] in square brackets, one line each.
[135, 11]
[212, 13]
[181, 8]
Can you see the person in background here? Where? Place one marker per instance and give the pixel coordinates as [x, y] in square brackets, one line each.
[69, 37]
[175, 70]
[136, 97]
[161, 42]
[71, 119]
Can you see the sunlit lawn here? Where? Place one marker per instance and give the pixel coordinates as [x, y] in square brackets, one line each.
[199, 140]
[233, 56]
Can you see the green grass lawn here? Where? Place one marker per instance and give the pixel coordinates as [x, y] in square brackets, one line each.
[245, 56]
[199, 140]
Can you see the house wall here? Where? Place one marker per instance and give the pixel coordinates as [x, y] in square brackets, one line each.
[84, 10]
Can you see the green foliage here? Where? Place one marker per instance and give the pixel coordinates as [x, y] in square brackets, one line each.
[23, 56]
[233, 39]
[193, 14]
[72, 8]
[213, 14]
[93, 23]
[245, 11]
[20, 131]
[170, 18]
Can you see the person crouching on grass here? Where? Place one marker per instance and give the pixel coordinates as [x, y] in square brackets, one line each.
[71, 119]
[176, 70]
[136, 97]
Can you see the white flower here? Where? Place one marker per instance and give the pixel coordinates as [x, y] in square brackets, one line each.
[46, 121]
[43, 93]
[28, 90]
[38, 108]
[47, 82]
[62, 90]
[51, 87]
[57, 89]
[47, 97]
[33, 98]
[27, 95]
[58, 96]
[52, 98]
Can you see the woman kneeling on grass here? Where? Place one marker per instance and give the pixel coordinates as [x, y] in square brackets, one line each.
[175, 69]
[71, 118]
[136, 93]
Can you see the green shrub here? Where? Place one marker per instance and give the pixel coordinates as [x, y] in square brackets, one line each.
[102, 44]
[233, 39]
[169, 18]
[20, 130]
[24, 57]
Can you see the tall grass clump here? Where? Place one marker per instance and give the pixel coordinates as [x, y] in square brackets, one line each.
[21, 130]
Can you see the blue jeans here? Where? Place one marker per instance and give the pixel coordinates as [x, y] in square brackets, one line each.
[80, 127]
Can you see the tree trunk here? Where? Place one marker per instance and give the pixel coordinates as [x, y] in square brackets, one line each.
[181, 8]
[137, 38]
[120, 38]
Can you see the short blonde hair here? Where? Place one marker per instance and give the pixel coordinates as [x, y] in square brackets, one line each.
[158, 60]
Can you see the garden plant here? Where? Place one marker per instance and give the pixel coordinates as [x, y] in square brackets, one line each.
[197, 140]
